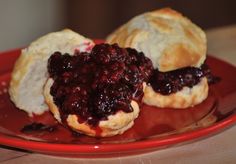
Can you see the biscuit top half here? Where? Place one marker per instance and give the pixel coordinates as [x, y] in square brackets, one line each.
[168, 38]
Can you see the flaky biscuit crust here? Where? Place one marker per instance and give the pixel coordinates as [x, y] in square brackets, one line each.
[168, 38]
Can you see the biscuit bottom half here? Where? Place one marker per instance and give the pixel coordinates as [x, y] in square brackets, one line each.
[115, 124]
[187, 97]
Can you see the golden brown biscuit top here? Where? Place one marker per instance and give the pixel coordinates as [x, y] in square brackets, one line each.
[168, 38]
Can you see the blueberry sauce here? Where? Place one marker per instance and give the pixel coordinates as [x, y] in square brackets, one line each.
[98, 84]
[173, 81]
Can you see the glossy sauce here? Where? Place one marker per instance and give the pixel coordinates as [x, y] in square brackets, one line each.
[173, 81]
[97, 84]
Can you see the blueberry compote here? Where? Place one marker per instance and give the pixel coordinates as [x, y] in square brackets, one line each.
[173, 81]
[98, 84]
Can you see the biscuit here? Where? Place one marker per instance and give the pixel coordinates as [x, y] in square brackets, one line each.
[30, 71]
[187, 97]
[115, 124]
[168, 38]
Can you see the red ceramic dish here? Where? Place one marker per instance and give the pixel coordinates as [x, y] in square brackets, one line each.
[154, 129]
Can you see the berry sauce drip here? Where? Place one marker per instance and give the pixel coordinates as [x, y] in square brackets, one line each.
[173, 81]
[98, 84]
[37, 127]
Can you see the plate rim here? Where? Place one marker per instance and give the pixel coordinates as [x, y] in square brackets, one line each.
[14, 141]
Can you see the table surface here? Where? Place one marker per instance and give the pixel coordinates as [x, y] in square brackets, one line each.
[219, 148]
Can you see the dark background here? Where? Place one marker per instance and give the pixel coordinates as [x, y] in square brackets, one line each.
[26, 20]
[96, 19]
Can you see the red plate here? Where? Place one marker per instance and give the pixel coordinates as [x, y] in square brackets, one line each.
[154, 128]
